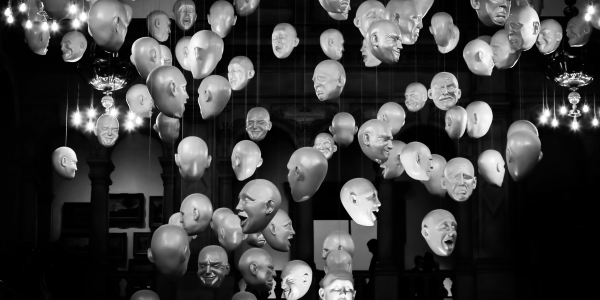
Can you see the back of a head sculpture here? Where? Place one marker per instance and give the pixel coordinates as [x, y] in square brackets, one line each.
[338, 240]
[107, 21]
[169, 251]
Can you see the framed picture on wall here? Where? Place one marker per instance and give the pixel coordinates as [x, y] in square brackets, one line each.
[126, 210]
[76, 244]
[155, 211]
[76, 217]
[117, 246]
[141, 243]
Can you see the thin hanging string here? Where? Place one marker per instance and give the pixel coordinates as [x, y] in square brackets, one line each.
[258, 58]
[304, 77]
[67, 111]
[554, 99]
[491, 106]
[594, 103]
[520, 94]
[246, 89]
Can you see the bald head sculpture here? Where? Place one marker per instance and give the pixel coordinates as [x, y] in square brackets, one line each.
[338, 240]
[185, 14]
[107, 130]
[159, 25]
[503, 55]
[375, 140]
[283, 40]
[64, 162]
[324, 142]
[213, 266]
[307, 168]
[332, 43]
[257, 268]
[439, 230]
[239, 72]
[73, 46]
[444, 90]
[523, 25]
[329, 80]
[259, 202]
[258, 123]
[459, 179]
[550, 36]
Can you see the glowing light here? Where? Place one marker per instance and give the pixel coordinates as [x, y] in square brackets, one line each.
[22, 7]
[575, 124]
[554, 122]
[10, 19]
[129, 125]
[138, 121]
[28, 24]
[563, 110]
[114, 112]
[546, 113]
[595, 122]
[587, 17]
[54, 26]
[8, 12]
[76, 118]
[83, 17]
[89, 126]
[73, 8]
[131, 115]
[91, 113]
[76, 23]
[586, 108]
[543, 119]
[590, 10]
[45, 26]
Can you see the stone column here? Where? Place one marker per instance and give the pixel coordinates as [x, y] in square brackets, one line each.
[168, 177]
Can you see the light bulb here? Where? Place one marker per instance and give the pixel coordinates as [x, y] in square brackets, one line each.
[554, 122]
[131, 115]
[22, 7]
[129, 125]
[83, 17]
[8, 12]
[76, 23]
[546, 113]
[587, 17]
[76, 118]
[91, 113]
[10, 19]
[595, 122]
[575, 124]
[138, 121]
[114, 112]
[45, 26]
[89, 126]
[590, 10]
[54, 26]
[586, 108]
[73, 8]
[563, 110]
[28, 24]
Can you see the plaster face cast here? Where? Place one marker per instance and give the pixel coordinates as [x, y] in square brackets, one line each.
[230, 233]
[578, 31]
[491, 166]
[384, 40]
[478, 56]
[456, 122]
[64, 162]
[167, 128]
[550, 36]
[213, 266]
[492, 12]
[37, 39]
[129, 11]
[169, 251]
[329, 80]
[213, 95]
[307, 169]
[182, 52]
[259, 202]
[523, 25]
[255, 239]
[404, 14]
[192, 158]
[196, 211]
[504, 57]
[459, 179]
[480, 119]
[221, 18]
[343, 129]
[139, 100]
[166, 58]
[444, 90]
[107, 23]
[145, 55]
[338, 260]
[185, 14]
[339, 17]
[159, 25]
[257, 268]
[368, 58]
[107, 130]
[324, 143]
[417, 161]
[167, 88]
[375, 140]
[338, 240]
[332, 43]
[337, 285]
[239, 72]
[258, 123]
[445, 33]
[359, 198]
[336, 6]
[145, 295]
[523, 152]
[439, 230]
[393, 167]
[279, 232]
[368, 12]
[521, 125]
[434, 184]
[283, 40]
[245, 158]
[245, 7]
[205, 51]
[73, 46]
[243, 295]
[56, 9]
[393, 114]
[416, 96]
[296, 279]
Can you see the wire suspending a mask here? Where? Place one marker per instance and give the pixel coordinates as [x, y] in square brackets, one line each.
[67, 111]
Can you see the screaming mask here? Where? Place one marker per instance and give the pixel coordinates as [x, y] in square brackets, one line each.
[393, 114]
[523, 25]
[332, 43]
[439, 230]
[145, 55]
[245, 158]
[338, 240]
[167, 88]
[491, 167]
[550, 36]
[343, 129]
[64, 162]
[73, 46]
[205, 50]
[258, 123]
[107, 130]
[578, 31]
[368, 12]
[255, 239]
[329, 80]
[384, 40]
[480, 119]
[37, 38]
[445, 33]
[296, 278]
[107, 24]
[166, 58]
[185, 14]
[182, 52]
[404, 14]
[523, 152]
[257, 268]
[259, 202]
[221, 18]
[392, 167]
[213, 266]
[337, 285]
[492, 12]
[279, 232]
[167, 128]
[434, 184]
[159, 25]
[359, 198]
[336, 6]
[375, 140]
[169, 250]
[416, 159]
[456, 122]
[307, 169]
[284, 39]
[444, 90]
[196, 211]
[368, 58]
[324, 143]
[478, 56]
[213, 95]
[192, 158]
[239, 72]
[502, 54]
[139, 100]
[459, 179]
[416, 96]
[245, 7]
[338, 260]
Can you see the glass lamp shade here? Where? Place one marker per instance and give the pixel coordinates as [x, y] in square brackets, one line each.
[571, 67]
[106, 71]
